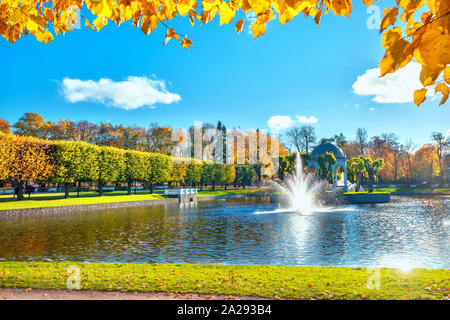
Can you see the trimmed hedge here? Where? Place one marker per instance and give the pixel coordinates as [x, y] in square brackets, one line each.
[26, 159]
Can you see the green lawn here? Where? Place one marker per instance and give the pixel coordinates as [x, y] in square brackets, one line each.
[414, 190]
[266, 281]
[364, 192]
[56, 195]
[57, 199]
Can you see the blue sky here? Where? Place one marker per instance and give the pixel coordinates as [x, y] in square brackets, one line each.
[297, 69]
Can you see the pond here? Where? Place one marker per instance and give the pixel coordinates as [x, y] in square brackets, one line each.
[408, 232]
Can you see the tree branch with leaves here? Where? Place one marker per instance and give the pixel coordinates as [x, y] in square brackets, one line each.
[426, 41]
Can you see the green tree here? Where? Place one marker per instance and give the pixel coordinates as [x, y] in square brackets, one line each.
[89, 168]
[76, 162]
[364, 166]
[111, 163]
[229, 176]
[218, 175]
[356, 171]
[68, 158]
[245, 176]
[194, 173]
[326, 162]
[159, 168]
[207, 174]
[179, 172]
[287, 163]
[135, 168]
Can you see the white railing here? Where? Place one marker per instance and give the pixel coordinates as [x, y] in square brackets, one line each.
[176, 192]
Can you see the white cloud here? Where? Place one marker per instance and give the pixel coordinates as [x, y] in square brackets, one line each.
[395, 87]
[279, 122]
[304, 119]
[372, 109]
[130, 94]
[283, 122]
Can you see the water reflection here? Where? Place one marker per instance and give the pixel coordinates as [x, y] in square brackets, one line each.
[408, 232]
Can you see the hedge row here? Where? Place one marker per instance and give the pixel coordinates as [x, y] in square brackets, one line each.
[28, 159]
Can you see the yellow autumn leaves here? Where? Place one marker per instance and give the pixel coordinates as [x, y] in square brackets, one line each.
[20, 17]
[426, 41]
[36, 19]
[405, 37]
[171, 34]
[226, 13]
[148, 24]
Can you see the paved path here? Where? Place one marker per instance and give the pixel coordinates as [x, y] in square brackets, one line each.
[38, 294]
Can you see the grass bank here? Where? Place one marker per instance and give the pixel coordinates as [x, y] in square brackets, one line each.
[265, 281]
[417, 191]
[365, 192]
[45, 200]
[56, 200]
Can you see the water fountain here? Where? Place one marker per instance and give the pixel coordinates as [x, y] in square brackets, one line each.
[300, 189]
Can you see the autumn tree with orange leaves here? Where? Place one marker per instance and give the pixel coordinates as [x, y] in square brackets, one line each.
[425, 164]
[5, 127]
[25, 159]
[7, 149]
[406, 37]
